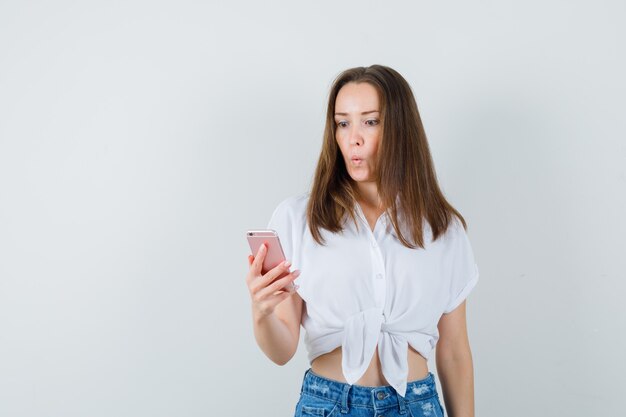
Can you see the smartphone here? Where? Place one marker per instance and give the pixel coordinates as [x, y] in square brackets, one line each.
[274, 255]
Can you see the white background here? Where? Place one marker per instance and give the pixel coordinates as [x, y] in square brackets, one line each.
[140, 139]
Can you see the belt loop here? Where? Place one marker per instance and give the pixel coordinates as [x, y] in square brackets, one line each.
[401, 404]
[304, 380]
[344, 398]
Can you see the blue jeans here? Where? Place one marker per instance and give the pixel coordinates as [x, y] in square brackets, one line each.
[323, 397]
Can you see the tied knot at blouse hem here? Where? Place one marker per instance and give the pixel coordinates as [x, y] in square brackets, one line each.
[365, 289]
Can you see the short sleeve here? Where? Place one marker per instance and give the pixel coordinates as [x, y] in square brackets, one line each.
[462, 268]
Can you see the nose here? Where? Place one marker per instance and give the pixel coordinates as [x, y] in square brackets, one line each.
[356, 138]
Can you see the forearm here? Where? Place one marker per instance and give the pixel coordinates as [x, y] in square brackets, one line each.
[456, 373]
[274, 338]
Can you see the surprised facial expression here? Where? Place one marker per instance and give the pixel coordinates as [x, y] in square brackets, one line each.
[358, 129]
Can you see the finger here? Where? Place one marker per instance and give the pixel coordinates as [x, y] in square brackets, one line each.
[277, 297]
[258, 260]
[250, 259]
[261, 248]
[279, 271]
[279, 284]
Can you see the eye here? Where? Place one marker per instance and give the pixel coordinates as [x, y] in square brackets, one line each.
[341, 124]
[374, 122]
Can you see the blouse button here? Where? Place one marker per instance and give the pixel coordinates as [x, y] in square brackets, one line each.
[374, 244]
[379, 276]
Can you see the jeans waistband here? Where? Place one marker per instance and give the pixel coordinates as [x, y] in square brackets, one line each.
[377, 397]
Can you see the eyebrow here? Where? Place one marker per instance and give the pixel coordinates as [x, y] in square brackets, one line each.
[365, 112]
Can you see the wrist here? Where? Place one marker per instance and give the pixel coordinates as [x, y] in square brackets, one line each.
[259, 316]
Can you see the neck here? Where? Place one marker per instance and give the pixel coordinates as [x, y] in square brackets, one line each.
[367, 193]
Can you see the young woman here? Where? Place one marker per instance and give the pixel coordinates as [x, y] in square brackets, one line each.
[382, 265]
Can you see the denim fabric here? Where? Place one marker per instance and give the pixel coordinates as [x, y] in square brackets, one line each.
[323, 397]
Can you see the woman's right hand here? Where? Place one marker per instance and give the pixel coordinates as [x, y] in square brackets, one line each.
[268, 290]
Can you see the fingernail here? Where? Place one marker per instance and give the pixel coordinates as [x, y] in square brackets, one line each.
[287, 264]
[295, 287]
[296, 273]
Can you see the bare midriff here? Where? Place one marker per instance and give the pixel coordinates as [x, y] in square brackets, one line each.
[328, 365]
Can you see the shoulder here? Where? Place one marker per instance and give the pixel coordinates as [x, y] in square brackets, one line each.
[458, 244]
[455, 228]
[296, 202]
[291, 208]
[454, 233]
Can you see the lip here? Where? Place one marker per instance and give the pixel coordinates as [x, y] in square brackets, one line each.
[356, 158]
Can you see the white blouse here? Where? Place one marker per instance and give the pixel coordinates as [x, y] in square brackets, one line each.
[365, 289]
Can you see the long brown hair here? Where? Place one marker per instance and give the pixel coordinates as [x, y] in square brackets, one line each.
[406, 179]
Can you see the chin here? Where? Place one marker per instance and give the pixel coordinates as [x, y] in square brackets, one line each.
[360, 178]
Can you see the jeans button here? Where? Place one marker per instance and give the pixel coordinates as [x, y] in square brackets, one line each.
[380, 396]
